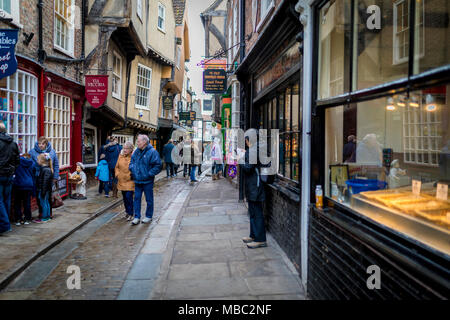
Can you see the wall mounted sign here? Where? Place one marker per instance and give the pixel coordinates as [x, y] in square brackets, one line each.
[96, 90]
[8, 61]
[168, 102]
[214, 64]
[192, 115]
[183, 116]
[207, 105]
[214, 81]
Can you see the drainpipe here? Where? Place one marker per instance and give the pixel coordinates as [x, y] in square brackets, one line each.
[241, 100]
[41, 51]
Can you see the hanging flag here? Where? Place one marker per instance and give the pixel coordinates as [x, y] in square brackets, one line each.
[8, 61]
[96, 89]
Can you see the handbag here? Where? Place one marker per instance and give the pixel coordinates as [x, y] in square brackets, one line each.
[56, 200]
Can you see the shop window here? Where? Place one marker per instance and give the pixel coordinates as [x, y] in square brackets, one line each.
[143, 85]
[64, 26]
[334, 47]
[375, 149]
[90, 146]
[18, 108]
[283, 113]
[57, 125]
[122, 139]
[432, 35]
[117, 76]
[161, 17]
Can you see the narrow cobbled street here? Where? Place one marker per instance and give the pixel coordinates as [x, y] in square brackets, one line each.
[192, 250]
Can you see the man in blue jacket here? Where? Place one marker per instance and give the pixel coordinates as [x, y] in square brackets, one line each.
[144, 166]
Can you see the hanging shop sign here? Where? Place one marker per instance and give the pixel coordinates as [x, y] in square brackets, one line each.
[207, 105]
[184, 116]
[168, 102]
[8, 61]
[96, 89]
[192, 115]
[214, 81]
[214, 64]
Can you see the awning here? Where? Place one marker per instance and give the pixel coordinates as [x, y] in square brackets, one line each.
[141, 125]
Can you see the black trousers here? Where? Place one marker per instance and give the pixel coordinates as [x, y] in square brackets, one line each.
[22, 198]
[257, 228]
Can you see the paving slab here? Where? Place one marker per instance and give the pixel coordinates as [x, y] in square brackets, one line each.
[145, 267]
[136, 290]
[274, 285]
[199, 271]
[182, 289]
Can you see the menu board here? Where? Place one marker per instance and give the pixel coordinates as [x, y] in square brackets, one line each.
[63, 184]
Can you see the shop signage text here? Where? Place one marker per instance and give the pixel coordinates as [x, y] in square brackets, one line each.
[168, 102]
[96, 90]
[214, 81]
[8, 61]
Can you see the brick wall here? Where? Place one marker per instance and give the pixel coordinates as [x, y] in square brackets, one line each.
[30, 21]
[282, 216]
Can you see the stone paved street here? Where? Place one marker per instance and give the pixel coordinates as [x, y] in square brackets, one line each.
[192, 250]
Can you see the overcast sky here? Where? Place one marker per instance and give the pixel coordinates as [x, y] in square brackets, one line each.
[197, 41]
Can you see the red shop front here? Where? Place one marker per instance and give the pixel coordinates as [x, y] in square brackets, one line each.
[60, 122]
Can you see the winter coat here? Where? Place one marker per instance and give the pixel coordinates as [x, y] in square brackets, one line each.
[254, 187]
[112, 151]
[167, 152]
[34, 153]
[123, 174]
[25, 174]
[44, 182]
[102, 172]
[145, 165]
[9, 155]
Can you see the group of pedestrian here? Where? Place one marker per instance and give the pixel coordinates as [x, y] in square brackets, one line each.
[23, 176]
[134, 173]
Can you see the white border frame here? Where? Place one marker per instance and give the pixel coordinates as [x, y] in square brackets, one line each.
[96, 147]
[264, 16]
[138, 106]
[163, 30]
[114, 94]
[71, 32]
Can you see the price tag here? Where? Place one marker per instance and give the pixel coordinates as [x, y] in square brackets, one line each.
[442, 192]
[416, 186]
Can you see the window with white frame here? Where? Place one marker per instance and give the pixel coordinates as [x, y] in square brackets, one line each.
[421, 132]
[117, 76]
[139, 9]
[18, 108]
[161, 17]
[178, 57]
[57, 125]
[230, 43]
[143, 85]
[401, 30]
[64, 26]
[5, 5]
[122, 139]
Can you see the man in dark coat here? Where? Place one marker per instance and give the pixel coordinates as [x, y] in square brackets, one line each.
[167, 153]
[144, 166]
[254, 192]
[112, 151]
[9, 161]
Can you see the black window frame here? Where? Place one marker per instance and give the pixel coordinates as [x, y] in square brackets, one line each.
[413, 82]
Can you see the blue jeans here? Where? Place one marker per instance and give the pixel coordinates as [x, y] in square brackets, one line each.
[193, 172]
[128, 202]
[5, 202]
[104, 185]
[257, 228]
[216, 167]
[147, 189]
[44, 200]
[170, 169]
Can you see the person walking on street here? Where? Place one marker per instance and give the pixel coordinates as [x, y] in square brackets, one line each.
[23, 186]
[144, 166]
[254, 192]
[123, 175]
[112, 152]
[217, 159]
[44, 184]
[44, 146]
[9, 161]
[195, 160]
[102, 174]
[167, 153]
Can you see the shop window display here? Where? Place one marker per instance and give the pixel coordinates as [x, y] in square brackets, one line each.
[396, 141]
[18, 108]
